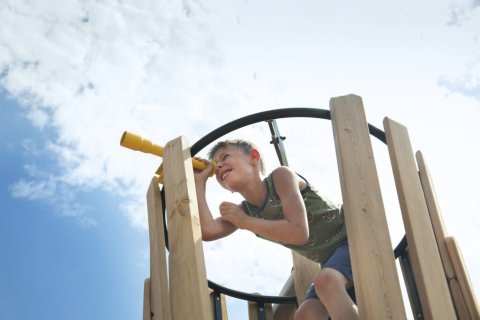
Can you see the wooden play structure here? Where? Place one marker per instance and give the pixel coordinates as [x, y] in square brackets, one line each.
[436, 280]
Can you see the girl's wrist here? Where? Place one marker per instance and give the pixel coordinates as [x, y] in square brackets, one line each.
[244, 221]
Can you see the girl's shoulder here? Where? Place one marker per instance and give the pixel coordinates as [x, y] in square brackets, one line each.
[282, 172]
[282, 176]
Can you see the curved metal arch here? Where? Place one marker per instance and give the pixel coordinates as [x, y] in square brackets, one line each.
[271, 115]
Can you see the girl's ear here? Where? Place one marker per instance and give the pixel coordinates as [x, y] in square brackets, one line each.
[255, 154]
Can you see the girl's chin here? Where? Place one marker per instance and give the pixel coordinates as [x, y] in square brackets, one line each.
[229, 187]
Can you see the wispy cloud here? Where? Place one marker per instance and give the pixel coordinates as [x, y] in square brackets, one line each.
[466, 85]
[43, 182]
[460, 13]
[56, 194]
[34, 190]
[464, 17]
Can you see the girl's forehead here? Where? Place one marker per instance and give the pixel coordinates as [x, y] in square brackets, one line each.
[223, 150]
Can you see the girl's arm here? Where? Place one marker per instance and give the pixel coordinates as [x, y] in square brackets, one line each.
[212, 229]
[293, 228]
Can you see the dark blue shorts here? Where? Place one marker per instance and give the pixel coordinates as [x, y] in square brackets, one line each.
[340, 261]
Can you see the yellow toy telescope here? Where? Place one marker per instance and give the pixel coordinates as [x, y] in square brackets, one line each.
[137, 143]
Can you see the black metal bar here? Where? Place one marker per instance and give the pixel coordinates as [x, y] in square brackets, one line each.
[251, 297]
[261, 311]
[217, 305]
[412, 291]
[277, 141]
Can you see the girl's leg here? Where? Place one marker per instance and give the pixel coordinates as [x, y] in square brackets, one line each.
[330, 286]
[311, 309]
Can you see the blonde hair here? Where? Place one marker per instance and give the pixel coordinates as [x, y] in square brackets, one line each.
[243, 145]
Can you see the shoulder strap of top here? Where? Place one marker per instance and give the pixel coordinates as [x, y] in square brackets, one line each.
[273, 193]
[271, 189]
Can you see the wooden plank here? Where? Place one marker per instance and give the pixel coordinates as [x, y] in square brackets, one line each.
[147, 309]
[304, 270]
[459, 301]
[286, 311]
[160, 300]
[375, 275]
[463, 278]
[425, 258]
[189, 297]
[435, 214]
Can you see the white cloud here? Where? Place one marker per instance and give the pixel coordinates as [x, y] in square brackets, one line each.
[38, 117]
[33, 190]
[29, 147]
[468, 85]
[56, 194]
[463, 12]
[136, 211]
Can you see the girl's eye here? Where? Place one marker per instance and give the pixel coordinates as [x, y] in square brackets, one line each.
[225, 157]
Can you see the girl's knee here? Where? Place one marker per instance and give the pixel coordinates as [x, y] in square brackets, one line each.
[327, 280]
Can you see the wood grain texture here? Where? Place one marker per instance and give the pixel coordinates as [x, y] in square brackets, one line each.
[459, 301]
[304, 270]
[425, 258]
[375, 275]
[435, 214]
[286, 311]
[159, 294]
[189, 298]
[147, 309]
[463, 278]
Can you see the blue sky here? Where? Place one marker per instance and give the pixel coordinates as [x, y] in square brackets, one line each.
[75, 74]
[53, 267]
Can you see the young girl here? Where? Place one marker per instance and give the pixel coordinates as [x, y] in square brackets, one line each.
[286, 209]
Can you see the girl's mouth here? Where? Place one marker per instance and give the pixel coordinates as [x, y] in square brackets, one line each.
[225, 174]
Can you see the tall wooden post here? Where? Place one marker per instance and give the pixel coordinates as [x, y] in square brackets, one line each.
[158, 284]
[189, 296]
[376, 280]
[427, 266]
[304, 271]
[147, 307]
[464, 289]
[435, 214]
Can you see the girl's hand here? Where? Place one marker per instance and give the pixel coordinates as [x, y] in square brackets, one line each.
[201, 176]
[232, 213]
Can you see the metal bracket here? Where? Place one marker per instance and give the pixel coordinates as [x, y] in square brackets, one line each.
[277, 141]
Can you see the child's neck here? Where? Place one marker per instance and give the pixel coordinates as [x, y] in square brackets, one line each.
[255, 193]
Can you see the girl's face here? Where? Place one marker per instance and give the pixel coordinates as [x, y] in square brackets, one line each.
[234, 167]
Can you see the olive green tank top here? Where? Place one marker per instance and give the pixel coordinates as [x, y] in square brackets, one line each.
[326, 221]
